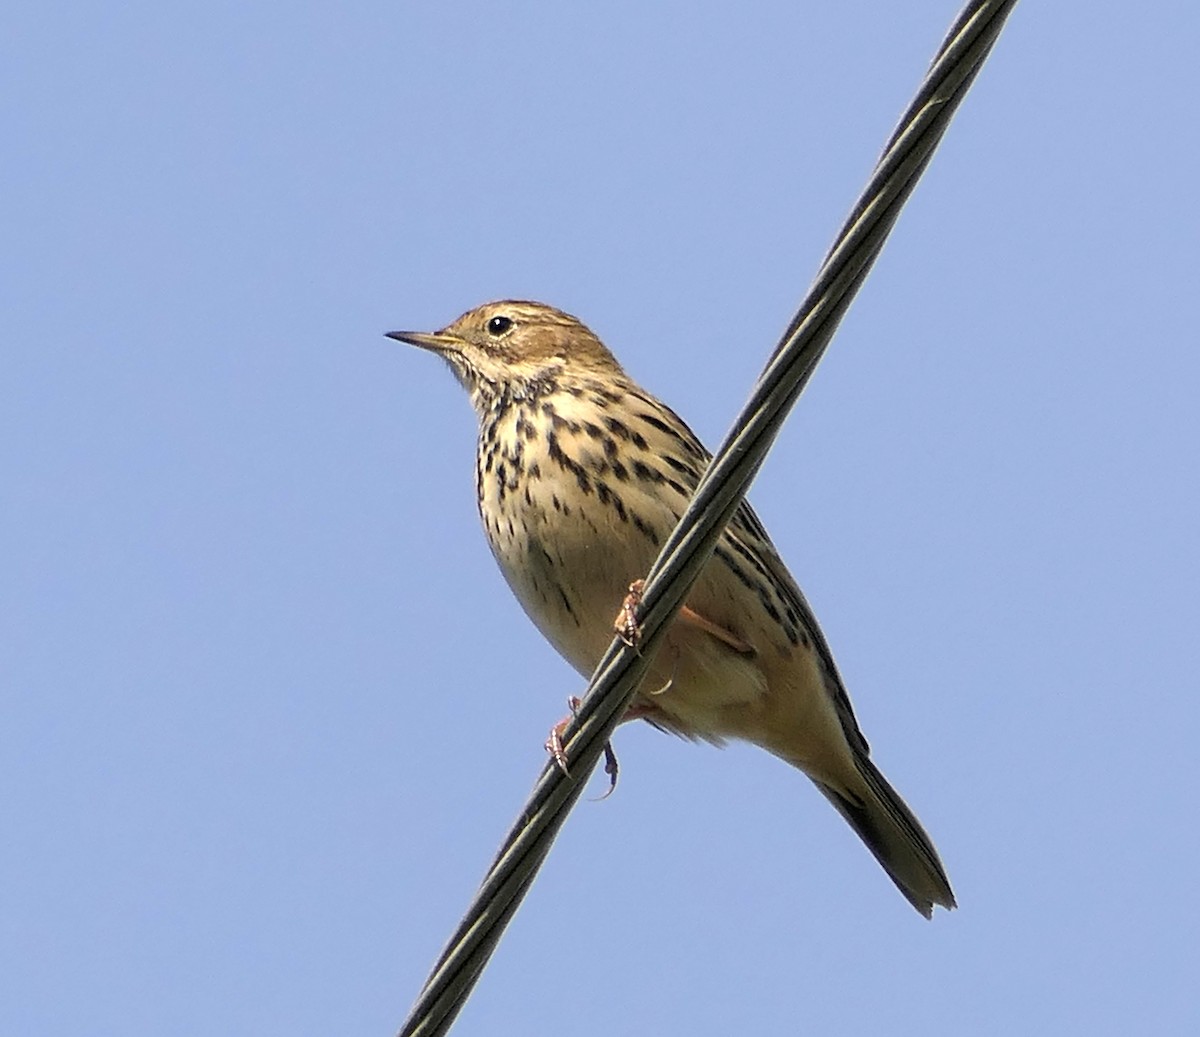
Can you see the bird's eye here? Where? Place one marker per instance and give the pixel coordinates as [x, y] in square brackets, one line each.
[497, 326]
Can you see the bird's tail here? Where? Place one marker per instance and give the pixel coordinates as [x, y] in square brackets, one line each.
[894, 835]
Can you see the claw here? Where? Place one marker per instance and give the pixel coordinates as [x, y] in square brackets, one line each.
[611, 768]
[664, 689]
[670, 680]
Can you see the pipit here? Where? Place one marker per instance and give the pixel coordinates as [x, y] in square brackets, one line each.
[580, 475]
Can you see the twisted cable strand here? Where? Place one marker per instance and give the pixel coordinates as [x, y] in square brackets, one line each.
[718, 494]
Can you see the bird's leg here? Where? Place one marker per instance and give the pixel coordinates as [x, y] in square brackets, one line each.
[726, 637]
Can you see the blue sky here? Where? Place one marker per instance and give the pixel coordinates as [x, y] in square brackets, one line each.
[266, 705]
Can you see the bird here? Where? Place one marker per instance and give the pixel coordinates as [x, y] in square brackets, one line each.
[580, 475]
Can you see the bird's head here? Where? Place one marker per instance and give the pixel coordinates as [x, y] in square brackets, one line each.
[516, 349]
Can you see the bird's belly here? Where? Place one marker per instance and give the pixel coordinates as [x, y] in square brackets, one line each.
[571, 567]
[570, 574]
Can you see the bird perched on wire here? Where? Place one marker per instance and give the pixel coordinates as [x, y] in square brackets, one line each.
[580, 475]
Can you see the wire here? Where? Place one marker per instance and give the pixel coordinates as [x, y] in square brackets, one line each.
[722, 487]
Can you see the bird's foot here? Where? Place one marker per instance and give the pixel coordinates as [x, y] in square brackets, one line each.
[626, 624]
[554, 746]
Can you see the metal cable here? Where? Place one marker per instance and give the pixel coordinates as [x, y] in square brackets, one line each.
[722, 487]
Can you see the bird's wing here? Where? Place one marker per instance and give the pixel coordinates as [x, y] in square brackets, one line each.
[747, 533]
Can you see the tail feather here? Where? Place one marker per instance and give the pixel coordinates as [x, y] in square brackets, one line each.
[894, 835]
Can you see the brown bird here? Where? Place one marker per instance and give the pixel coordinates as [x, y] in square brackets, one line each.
[581, 475]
